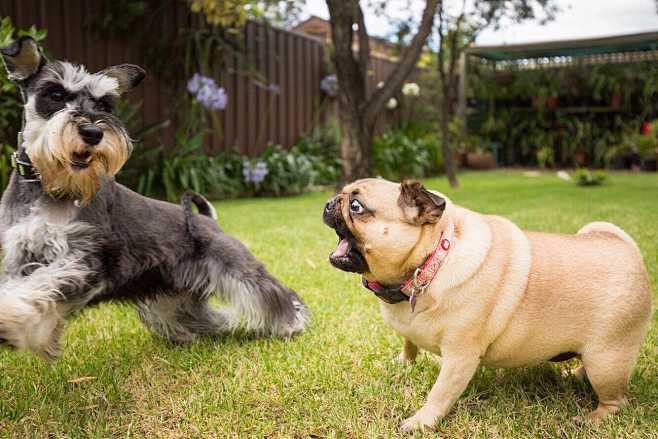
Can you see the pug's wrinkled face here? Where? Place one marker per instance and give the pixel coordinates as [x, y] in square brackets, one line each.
[379, 224]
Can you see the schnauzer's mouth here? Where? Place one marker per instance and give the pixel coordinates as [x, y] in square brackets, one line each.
[81, 160]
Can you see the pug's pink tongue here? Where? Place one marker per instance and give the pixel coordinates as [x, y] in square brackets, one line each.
[343, 248]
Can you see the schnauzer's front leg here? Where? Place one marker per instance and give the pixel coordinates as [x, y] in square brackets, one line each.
[33, 307]
[457, 369]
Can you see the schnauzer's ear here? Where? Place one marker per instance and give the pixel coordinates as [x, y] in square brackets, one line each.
[427, 207]
[127, 75]
[23, 59]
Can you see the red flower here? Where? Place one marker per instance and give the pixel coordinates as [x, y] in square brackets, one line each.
[646, 128]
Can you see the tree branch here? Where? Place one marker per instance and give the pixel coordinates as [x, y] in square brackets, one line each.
[343, 16]
[364, 44]
[441, 53]
[405, 66]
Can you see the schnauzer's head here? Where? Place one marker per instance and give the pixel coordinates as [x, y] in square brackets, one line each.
[71, 136]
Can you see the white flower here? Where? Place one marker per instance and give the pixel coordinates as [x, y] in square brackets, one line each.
[410, 89]
[392, 103]
[380, 84]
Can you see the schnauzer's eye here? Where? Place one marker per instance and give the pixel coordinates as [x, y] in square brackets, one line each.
[104, 106]
[56, 95]
[356, 207]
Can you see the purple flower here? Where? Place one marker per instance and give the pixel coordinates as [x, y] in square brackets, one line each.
[207, 92]
[194, 83]
[329, 85]
[273, 88]
[256, 173]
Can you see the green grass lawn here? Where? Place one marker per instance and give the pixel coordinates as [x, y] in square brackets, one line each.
[338, 379]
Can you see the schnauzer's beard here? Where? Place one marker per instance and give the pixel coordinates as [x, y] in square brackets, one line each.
[69, 168]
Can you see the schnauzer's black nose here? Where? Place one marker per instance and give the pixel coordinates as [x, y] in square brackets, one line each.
[90, 133]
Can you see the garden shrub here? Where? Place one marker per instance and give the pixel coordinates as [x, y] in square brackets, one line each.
[398, 156]
[585, 177]
[322, 145]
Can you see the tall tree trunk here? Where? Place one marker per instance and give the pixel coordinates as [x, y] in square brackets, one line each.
[446, 149]
[355, 147]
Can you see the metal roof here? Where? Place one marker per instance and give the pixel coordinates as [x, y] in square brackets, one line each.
[646, 41]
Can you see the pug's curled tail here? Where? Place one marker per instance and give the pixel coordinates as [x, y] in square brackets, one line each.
[602, 226]
[204, 206]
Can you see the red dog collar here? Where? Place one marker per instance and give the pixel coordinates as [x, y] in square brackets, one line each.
[423, 275]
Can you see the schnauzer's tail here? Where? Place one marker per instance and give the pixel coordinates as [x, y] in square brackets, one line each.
[204, 206]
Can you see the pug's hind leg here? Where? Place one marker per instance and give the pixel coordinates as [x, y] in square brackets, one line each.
[608, 373]
[409, 352]
[456, 372]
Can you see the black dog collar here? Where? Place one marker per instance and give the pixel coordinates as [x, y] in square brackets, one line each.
[389, 295]
[23, 165]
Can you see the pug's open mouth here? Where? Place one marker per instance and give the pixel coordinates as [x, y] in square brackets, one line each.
[347, 257]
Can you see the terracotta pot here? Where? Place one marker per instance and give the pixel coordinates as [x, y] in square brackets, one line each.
[581, 158]
[458, 159]
[480, 160]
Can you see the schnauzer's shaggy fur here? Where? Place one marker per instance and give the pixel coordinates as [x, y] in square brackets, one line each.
[76, 237]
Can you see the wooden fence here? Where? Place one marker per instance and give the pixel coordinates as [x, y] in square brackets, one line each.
[254, 115]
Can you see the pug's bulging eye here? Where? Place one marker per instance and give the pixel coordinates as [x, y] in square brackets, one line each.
[356, 207]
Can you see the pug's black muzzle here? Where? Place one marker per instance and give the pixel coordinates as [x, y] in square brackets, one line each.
[352, 260]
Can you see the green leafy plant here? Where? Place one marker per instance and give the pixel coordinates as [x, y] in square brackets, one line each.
[545, 157]
[140, 170]
[398, 156]
[585, 177]
[187, 167]
[321, 146]
[5, 165]
[647, 144]
[288, 172]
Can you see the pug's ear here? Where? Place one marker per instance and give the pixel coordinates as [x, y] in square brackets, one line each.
[421, 205]
[128, 76]
[23, 59]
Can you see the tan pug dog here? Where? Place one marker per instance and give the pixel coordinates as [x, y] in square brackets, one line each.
[502, 297]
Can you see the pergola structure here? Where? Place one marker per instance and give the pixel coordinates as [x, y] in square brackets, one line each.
[615, 49]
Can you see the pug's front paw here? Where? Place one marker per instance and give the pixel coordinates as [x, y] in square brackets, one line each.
[424, 419]
[405, 358]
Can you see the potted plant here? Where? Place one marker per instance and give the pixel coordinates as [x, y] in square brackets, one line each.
[618, 156]
[478, 156]
[647, 146]
[580, 157]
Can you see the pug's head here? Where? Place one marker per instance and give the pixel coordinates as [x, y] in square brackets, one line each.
[383, 227]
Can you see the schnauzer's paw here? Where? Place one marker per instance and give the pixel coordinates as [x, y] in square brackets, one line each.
[52, 350]
[301, 319]
[424, 419]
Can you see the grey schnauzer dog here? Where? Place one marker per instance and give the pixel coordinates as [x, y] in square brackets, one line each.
[72, 236]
